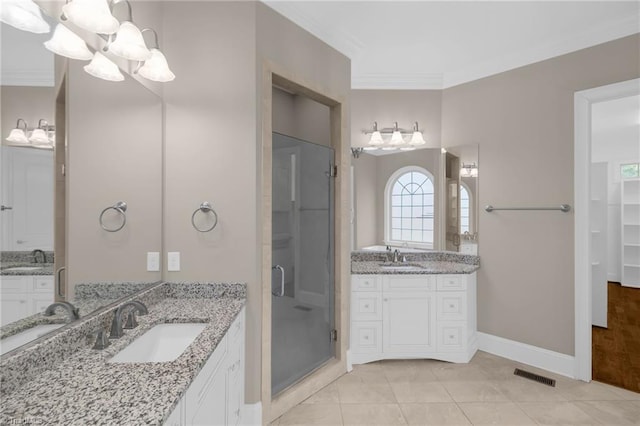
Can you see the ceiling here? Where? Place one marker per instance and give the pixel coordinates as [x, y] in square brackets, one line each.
[439, 44]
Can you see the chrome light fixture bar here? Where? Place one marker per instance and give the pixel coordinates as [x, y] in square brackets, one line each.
[396, 140]
[42, 137]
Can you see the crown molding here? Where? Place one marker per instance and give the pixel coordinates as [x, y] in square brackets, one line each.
[343, 41]
[397, 80]
[27, 78]
[623, 27]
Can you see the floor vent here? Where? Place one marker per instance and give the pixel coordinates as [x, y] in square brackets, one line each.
[302, 308]
[535, 377]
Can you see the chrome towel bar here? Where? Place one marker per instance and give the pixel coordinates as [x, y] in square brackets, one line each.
[562, 207]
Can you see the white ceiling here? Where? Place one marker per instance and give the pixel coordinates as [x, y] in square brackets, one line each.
[439, 44]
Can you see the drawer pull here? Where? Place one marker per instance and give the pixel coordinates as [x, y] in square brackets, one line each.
[366, 337]
[386, 300]
[451, 336]
[451, 306]
[366, 306]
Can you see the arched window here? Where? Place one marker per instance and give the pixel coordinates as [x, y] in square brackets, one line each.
[465, 218]
[409, 208]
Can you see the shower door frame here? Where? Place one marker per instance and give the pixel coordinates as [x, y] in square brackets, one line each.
[273, 407]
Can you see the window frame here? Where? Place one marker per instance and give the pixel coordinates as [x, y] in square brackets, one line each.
[470, 210]
[387, 208]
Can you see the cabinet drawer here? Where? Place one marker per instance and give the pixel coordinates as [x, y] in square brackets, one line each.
[366, 337]
[452, 282]
[451, 306]
[408, 283]
[43, 284]
[452, 336]
[15, 284]
[366, 306]
[365, 283]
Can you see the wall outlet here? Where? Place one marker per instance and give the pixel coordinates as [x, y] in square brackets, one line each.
[153, 261]
[173, 261]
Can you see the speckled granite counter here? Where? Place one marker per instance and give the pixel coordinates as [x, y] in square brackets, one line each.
[84, 389]
[435, 262]
[41, 269]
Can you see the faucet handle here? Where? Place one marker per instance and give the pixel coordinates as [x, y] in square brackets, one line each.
[131, 322]
[102, 341]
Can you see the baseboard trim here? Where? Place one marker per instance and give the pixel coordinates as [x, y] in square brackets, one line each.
[545, 359]
[251, 414]
[349, 361]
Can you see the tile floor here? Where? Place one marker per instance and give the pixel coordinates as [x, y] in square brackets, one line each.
[483, 392]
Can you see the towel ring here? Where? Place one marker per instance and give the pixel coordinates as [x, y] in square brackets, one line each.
[205, 207]
[120, 207]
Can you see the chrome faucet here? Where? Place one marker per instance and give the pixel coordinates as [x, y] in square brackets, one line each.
[116, 325]
[71, 310]
[35, 254]
[396, 256]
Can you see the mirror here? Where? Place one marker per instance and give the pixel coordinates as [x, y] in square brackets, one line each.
[108, 148]
[451, 213]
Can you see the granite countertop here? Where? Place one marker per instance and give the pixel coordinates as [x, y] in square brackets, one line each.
[85, 389]
[432, 262]
[42, 268]
[421, 267]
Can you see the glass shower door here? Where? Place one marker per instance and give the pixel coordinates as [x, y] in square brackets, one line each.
[302, 279]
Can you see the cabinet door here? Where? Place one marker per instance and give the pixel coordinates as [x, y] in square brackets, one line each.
[211, 408]
[409, 320]
[177, 416]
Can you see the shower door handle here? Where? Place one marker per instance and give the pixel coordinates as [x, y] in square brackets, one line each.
[281, 269]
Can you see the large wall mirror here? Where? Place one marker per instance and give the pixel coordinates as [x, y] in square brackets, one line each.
[421, 199]
[106, 148]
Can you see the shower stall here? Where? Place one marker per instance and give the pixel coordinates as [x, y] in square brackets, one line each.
[302, 275]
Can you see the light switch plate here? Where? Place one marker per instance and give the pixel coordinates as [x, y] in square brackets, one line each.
[153, 261]
[173, 261]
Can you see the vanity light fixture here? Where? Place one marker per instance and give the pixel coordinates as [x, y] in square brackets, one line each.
[156, 68]
[24, 15]
[101, 67]
[18, 135]
[65, 42]
[397, 139]
[91, 15]
[40, 136]
[469, 170]
[128, 42]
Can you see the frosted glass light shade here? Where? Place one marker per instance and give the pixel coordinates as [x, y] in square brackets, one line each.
[156, 68]
[129, 43]
[376, 139]
[24, 15]
[17, 136]
[65, 42]
[39, 137]
[417, 139]
[396, 139]
[91, 15]
[101, 67]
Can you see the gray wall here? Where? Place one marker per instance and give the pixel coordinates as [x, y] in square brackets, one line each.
[523, 121]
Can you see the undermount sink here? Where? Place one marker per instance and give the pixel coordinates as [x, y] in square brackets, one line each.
[22, 268]
[400, 267]
[162, 343]
[10, 343]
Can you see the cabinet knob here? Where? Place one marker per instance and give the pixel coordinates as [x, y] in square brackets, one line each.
[366, 306]
[366, 337]
[451, 306]
[22, 302]
[451, 336]
[386, 300]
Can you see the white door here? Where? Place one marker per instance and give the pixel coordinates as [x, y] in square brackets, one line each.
[29, 193]
[409, 320]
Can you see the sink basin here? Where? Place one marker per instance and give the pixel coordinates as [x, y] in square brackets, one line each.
[22, 268]
[10, 343]
[162, 343]
[400, 267]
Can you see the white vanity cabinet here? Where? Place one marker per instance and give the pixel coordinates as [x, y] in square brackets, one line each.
[216, 394]
[24, 295]
[413, 316]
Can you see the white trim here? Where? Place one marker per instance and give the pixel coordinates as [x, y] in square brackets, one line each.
[397, 81]
[582, 188]
[387, 208]
[554, 362]
[251, 414]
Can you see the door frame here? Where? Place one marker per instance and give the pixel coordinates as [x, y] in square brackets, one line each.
[272, 74]
[583, 100]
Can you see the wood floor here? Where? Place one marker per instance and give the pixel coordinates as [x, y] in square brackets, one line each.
[616, 349]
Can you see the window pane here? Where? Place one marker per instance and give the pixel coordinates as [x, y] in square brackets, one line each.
[396, 235]
[630, 170]
[396, 223]
[416, 236]
[412, 201]
[406, 235]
